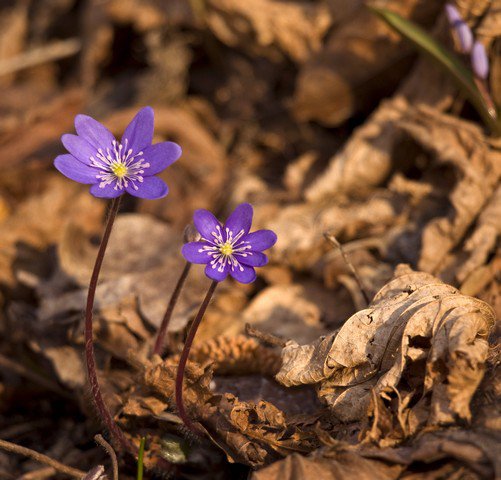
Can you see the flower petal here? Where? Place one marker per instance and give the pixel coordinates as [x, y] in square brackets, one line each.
[94, 132]
[81, 149]
[240, 219]
[253, 259]
[191, 252]
[206, 223]
[150, 188]
[243, 274]
[108, 191]
[160, 156]
[70, 167]
[215, 274]
[139, 132]
[261, 239]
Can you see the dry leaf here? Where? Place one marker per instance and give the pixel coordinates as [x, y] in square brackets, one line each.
[295, 28]
[418, 336]
[361, 61]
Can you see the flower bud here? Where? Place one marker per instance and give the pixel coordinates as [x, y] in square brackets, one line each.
[191, 234]
[480, 60]
[461, 30]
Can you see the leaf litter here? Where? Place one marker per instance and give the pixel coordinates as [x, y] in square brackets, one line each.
[326, 127]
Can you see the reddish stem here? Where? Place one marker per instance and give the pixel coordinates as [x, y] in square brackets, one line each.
[101, 407]
[159, 343]
[184, 358]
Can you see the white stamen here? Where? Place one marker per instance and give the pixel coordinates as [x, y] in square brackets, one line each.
[120, 158]
[218, 248]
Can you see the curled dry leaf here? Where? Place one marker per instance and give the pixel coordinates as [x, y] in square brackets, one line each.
[484, 238]
[477, 167]
[295, 28]
[361, 61]
[419, 341]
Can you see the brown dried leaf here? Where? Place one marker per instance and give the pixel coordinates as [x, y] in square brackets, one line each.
[413, 320]
[40, 220]
[289, 311]
[463, 146]
[339, 465]
[295, 28]
[362, 60]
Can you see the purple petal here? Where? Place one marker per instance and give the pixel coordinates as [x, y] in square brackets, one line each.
[215, 274]
[243, 274]
[78, 147]
[108, 191]
[206, 223]
[253, 259]
[150, 188]
[192, 254]
[139, 132]
[160, 156]
[240, 219]
[94, 132]
[261, 239]
[70, 167]
[480, 61]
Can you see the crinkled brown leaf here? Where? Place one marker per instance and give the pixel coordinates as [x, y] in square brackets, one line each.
[419, 339]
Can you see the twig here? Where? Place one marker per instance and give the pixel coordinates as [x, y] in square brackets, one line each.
[109, 450]
[40, 474]
[333, 241]
[41, 458]
[38, 56]
[265, 337]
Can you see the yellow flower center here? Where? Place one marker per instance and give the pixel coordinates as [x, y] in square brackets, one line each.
[226, 248]
[119, 169]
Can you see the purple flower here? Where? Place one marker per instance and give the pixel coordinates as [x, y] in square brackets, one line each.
[229, 249]
[461, 29]
[112, 167]
[480, 61]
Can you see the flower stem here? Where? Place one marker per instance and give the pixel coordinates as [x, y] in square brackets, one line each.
[159, 343]
[184, 358]
[101, 407]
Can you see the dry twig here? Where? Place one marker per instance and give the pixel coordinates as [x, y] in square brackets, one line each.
[41, 458]
[109, 450]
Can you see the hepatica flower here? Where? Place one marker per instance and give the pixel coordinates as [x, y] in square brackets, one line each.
[229, 249]
[114, 167]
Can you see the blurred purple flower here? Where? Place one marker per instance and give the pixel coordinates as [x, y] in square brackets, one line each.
[480, 60]
[112, 167]
[229, 249]
[461, 29]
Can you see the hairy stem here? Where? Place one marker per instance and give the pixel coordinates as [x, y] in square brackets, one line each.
[184, 358]
[97, 397]
[159, 343]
